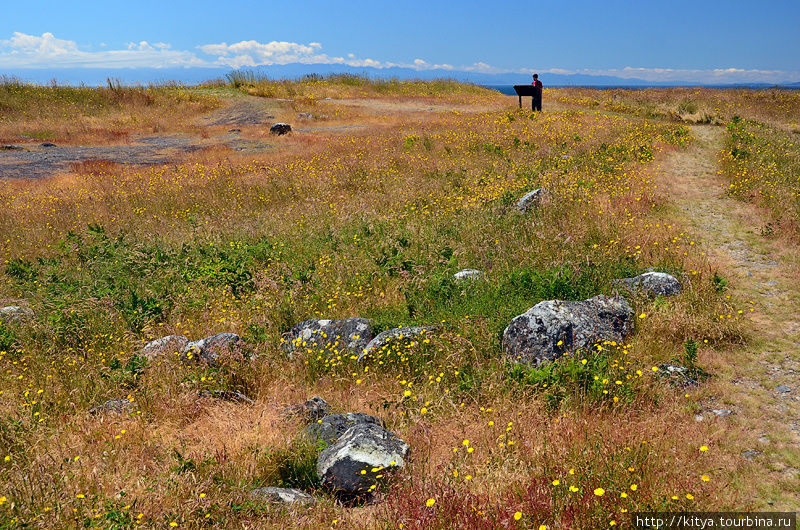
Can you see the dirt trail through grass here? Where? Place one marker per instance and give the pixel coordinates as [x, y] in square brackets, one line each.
[758, 382]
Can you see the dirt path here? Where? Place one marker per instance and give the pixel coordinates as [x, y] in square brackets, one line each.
[758, 383]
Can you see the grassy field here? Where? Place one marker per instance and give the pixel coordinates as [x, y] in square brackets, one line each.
[372, 223]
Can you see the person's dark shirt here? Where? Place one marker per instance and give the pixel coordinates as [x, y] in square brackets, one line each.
[538, 87]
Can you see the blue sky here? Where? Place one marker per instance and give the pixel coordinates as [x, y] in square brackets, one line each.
[698, 40]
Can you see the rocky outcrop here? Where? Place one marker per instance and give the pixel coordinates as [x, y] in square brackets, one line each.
[554, 327]
[468, 274]
[331, 427]
[657, 283]
[116, 405]
[396, 335]
[164, 346]
[211, 349]
[333, 336]
[353, 465]
[313, 409]
[532, 200]
[280, 129]
[281, 495]
[13, 313]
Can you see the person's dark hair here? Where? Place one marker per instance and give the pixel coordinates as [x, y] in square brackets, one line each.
[536, 76]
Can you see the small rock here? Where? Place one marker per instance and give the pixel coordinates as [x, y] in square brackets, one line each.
[49, 144]
[331, 335]
[234, 131]
[282, 495]
[164, 346]
[116, 405]
[14, 312]
[698, 417]
[468, 274]
[280, 129]
[332, 426]
[390, 336]
[305, 115]
[763, 440]
[10, 147]
[367, 448]
[658, 283]
[721, 413]
[751, 454]
[783, 389]
[532, 200]
[677, 375]
[212, 348]
[314, 409]
[552, 328]
[227, 395]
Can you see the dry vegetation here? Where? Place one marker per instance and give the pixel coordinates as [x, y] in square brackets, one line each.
[372, 223]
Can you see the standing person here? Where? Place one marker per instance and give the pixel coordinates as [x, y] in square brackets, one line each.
[536, 101]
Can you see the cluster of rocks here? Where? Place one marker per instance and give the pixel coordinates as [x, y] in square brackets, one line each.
[210, 349]
[359, 452]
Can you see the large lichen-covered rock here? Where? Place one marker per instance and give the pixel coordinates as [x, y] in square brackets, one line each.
[333, 336]
[332, 426]
[211, 349]
[658, 283]
[396, 335]
[15, 313]
[360, 458]
[531, 200]
[281, 495]
[164, 346]
[552, 328]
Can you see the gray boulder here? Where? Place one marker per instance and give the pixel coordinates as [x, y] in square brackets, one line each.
[333, 336]
[390, 336]
[281, 495]
[360, 458]
[468, 274]
[280, 129]
[331, 427]
[532, 200]
[313, 409]
[15, 313]
[552, 328]
[210, 349]
[658, 283]
[164, 346]
[116, 405]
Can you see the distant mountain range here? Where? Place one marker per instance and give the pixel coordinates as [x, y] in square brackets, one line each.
[96, 76]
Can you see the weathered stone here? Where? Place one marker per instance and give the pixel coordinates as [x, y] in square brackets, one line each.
[210, 349]
[10, 147]
[468, 274]
[280, 129]
[783, 389]
[677, 375]
[116, 405]
[360, 457]
[227, 395]
[721, 413]
[552, 328]
[332, 426]
[14, 313]
[658, 283]
[314, 409]
[281, 495]
[751, 454]
[532, 200]
[49, 144]
[164, 346]
[305, 115]
[405, 334]
[333, 336]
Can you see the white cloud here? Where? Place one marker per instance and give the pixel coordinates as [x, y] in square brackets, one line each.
[253, 53]
[47, 51]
